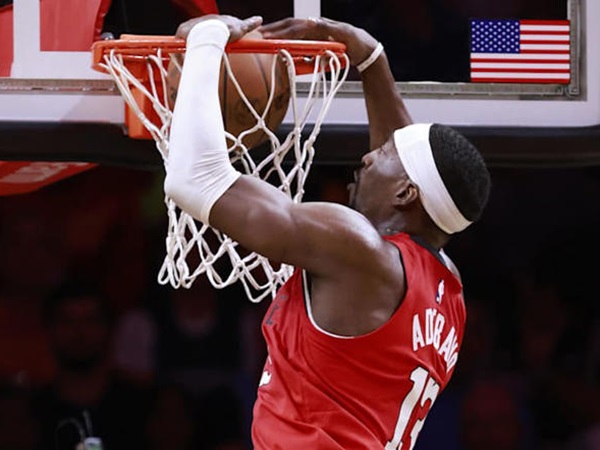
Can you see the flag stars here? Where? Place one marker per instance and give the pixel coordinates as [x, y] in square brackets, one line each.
[495, 36]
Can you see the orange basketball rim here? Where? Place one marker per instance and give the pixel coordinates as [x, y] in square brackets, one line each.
[140, 67]
[136, 49]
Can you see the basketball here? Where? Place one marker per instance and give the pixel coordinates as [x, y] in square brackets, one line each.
[253, 73]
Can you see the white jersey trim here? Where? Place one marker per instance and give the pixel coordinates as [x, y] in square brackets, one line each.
[446, 258]
[310, 314]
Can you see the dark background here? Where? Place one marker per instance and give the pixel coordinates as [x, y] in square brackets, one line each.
[179, 369]
[159, 368]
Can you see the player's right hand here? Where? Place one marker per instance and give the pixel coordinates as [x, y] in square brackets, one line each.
[359, 43]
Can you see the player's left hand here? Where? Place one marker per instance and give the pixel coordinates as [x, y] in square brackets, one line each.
[237, 27]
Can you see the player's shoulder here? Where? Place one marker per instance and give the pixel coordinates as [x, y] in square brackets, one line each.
[341, 222]
[419, 256]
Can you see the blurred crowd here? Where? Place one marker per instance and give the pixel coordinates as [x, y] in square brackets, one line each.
[92, 344]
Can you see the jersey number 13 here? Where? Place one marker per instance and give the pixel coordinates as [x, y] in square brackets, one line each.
[424, 388]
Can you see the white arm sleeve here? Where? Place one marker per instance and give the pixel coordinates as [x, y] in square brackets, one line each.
[198, 167]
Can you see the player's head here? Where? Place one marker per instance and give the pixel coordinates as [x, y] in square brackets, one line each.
[423, 170]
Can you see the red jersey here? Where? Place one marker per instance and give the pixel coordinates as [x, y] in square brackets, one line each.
[321, 391]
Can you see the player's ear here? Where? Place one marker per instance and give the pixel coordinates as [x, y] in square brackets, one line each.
[406, 194]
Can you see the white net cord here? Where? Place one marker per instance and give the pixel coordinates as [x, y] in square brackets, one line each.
[192, 248]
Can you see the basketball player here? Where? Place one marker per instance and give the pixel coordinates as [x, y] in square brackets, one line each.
[367, 331]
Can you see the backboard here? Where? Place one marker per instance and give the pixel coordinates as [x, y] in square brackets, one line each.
[46, 78]
[50, 79]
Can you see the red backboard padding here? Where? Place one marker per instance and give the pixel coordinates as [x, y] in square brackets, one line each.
[193, 8]
[66, 25]
[6, 40]
[71, 25]
[20, 177]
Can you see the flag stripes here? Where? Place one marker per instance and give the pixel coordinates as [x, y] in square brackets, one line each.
[526, 51]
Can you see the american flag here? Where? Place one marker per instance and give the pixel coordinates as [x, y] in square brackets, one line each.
[520, 51]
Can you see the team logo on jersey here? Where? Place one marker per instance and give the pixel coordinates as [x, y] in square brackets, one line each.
[275, 305]
[440, 292]
[265, 379]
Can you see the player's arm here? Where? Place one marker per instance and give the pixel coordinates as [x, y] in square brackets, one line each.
[320, 237]
[203, 183]
[385, 108]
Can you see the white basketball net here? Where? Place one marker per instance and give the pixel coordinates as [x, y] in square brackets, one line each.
[286, 166]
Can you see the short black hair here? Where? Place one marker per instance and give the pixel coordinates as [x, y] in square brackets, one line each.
[71, 289]
[462, 169]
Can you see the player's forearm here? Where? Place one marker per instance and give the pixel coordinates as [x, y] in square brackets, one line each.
[198, 167]
[386, 110]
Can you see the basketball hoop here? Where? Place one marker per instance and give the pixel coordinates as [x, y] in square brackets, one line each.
[138, 65]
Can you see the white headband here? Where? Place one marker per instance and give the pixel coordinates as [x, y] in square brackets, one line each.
[414, 150]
